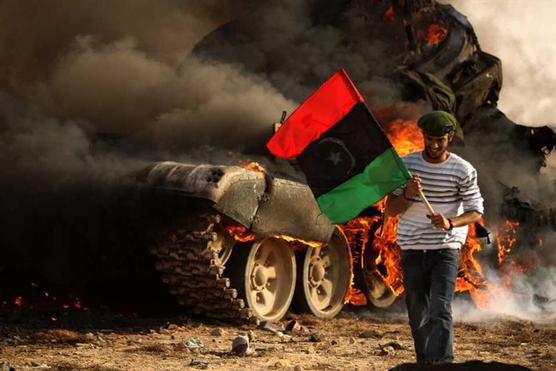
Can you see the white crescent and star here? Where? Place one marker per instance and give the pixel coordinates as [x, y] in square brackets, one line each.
[336, 156]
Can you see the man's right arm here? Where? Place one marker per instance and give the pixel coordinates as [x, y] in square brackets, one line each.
[398, 204]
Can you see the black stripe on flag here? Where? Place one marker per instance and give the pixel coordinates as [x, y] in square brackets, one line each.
[343, 151]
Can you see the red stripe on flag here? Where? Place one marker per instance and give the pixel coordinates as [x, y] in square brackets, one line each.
[322, 110]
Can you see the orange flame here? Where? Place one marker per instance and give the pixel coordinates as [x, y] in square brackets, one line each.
[356, 297]
[388, 259]
[389, 14]
[287, 238]
[436, 33]
[239, 233]
[356, 233]
[506, 238]
[242, 234]
[405, 136]
[254, 166]
[18, 301]
[470, 273]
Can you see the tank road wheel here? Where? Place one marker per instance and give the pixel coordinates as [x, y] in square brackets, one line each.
[267, 281]
[323, 278]
[378, 293]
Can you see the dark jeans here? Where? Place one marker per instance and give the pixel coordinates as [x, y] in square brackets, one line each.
[430, 281]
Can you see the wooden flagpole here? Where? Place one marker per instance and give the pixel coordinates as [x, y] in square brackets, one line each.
[427, 203]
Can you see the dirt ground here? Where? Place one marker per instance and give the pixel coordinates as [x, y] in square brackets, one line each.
[358, 339]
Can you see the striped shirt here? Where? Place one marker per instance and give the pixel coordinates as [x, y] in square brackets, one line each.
[451, 188]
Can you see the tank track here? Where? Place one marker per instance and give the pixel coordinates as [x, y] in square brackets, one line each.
[188, 259]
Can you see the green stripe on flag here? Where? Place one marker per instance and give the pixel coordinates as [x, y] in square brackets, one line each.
[381, 176]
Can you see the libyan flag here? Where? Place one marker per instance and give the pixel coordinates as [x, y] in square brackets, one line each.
[347, 158]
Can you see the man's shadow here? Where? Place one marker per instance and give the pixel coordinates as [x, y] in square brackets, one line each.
[465, 366]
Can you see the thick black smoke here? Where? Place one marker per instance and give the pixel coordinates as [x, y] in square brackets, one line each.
[91, 92]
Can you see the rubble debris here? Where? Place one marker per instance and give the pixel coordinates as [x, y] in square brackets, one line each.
[155, 348]
[240, 346]
[85, 345]
[40, 366]
[371, 334]
[252, 336]
[384, 351]
[4, 366]
[286, 338]
[315, 337]
[265, 325]
[324, 366]
[180, 347]
[172, 327]
[217, 332]
[193, 343]
[294, 327]
[61, 336]
[395, 345]
[198, 364]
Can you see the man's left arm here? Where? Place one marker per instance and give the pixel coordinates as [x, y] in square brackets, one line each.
[442, 222]
[472, 205]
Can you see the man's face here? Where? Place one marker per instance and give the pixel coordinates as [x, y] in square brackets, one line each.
[436, 147]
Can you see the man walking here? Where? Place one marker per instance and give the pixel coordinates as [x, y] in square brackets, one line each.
[430, 244]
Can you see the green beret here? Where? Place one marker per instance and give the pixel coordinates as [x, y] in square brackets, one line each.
[437, 123]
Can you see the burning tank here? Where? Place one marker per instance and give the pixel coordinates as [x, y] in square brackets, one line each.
[240, 243]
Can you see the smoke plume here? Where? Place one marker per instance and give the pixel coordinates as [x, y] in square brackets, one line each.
[91, 92]
[520, 33]
[530, 296]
